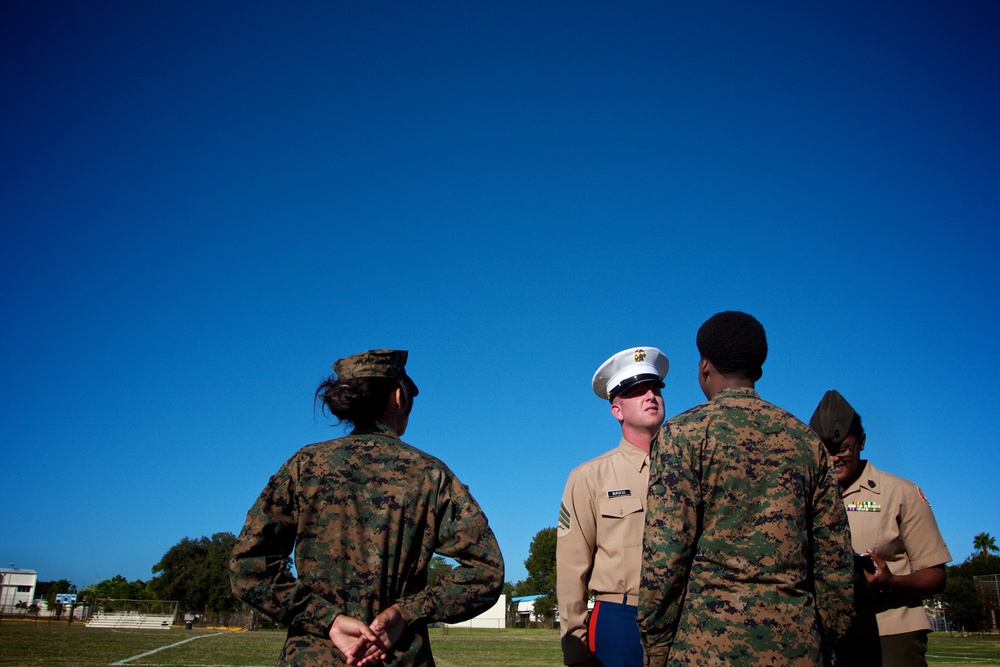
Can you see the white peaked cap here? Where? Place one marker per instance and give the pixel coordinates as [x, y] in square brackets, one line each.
[629, 367]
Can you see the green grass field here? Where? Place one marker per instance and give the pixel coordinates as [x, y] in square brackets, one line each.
[49, 644]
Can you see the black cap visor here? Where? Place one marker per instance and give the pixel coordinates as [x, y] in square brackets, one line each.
[634, 380]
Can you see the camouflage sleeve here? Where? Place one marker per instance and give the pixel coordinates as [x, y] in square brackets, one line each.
[668, 541]
[833, 562]
[259, 570]
[474, 586]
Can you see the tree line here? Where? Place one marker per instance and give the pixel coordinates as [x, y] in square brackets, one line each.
[966, 606]
[195, 573]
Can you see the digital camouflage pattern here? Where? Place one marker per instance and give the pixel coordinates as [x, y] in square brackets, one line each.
[364, 514]
[746, 555]
[373, 364]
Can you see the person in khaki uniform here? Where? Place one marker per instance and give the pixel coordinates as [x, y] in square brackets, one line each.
[900, 554]
[599, 536]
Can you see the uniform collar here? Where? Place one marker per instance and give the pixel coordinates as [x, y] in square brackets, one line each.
[635, 456]
[377, 428]
[869, 480]
[738, 392]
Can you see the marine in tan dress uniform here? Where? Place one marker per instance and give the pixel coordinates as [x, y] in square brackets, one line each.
[599, 543]
[901, 553]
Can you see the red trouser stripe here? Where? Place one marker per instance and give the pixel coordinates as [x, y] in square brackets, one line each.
[592, 629]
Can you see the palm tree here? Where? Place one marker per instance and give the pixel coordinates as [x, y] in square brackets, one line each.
[985, 542]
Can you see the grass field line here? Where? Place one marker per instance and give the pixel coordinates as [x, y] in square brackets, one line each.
[163, 648]
[963, 659]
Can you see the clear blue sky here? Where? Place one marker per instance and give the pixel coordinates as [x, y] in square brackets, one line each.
[204, 204]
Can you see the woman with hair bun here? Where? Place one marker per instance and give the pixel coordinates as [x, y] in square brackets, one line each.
[363, 515]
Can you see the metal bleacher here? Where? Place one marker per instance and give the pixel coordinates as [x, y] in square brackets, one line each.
[131, 620]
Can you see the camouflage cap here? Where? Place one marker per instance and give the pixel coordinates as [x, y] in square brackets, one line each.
[832, 419]
[374, 364]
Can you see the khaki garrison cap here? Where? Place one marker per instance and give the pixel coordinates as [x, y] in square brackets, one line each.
[374, 364]
[832, 419]
[629, 367]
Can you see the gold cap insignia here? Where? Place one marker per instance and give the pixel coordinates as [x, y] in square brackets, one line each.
[640, 354]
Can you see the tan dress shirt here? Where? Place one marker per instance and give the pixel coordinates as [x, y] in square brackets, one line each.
[891, 516]
[599, 539]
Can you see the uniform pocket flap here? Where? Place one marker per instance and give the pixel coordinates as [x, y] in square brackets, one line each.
[621, 507]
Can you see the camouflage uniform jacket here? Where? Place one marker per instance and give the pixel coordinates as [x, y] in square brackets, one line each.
[746, 553]
[364, 515]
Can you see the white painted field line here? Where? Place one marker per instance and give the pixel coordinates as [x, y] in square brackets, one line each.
[162, 648]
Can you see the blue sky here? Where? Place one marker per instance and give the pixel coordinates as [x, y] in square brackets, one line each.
[203, 205]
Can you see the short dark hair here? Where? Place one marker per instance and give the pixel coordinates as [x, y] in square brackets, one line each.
[856, 429]
[735, 343]
[360, 401]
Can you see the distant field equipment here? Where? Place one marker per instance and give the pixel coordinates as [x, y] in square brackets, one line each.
[133, 614]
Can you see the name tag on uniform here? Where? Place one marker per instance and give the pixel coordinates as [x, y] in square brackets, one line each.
[619, 493]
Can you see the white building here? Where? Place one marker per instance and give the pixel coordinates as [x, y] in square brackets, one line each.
[526, 608]
[495, 617]
[16, 586]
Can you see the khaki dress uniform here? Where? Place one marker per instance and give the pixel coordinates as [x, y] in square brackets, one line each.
[891, 516]
[599, 540]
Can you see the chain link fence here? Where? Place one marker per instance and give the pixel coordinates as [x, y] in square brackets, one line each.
[988, 587]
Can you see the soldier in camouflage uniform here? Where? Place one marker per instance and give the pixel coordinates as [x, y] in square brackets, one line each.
[364, 514]
[746, 552]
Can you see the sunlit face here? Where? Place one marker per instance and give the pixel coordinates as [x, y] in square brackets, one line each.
[640, 406]
[847, 459]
